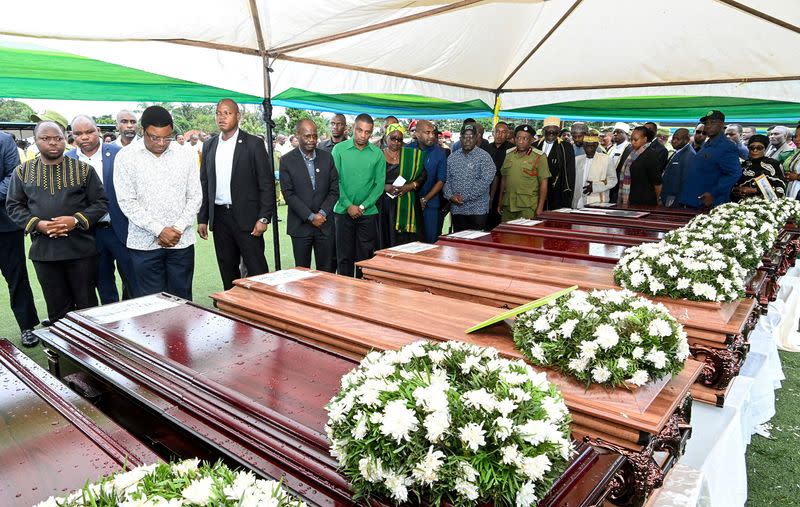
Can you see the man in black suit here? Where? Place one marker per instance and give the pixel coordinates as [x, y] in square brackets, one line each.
[655, 145]
[238, 196]
[310, 186]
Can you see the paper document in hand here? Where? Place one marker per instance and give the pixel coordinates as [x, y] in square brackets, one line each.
[399, 182]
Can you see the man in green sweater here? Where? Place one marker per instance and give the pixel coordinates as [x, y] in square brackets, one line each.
[362, 174]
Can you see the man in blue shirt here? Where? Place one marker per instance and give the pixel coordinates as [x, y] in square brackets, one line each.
[715, 168]
[436, 167]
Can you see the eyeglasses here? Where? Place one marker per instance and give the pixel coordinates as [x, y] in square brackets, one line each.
[755, 147]
[51, 139]
[160, 140]
[396, 139]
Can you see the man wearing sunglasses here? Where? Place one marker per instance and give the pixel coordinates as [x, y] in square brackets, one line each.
[714, 170]
[158, 189]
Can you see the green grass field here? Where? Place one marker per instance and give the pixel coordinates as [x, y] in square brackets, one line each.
[773, 464]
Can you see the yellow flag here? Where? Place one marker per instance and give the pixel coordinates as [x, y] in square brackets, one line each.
[496, 110]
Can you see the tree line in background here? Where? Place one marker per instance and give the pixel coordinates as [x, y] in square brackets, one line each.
[193, 117]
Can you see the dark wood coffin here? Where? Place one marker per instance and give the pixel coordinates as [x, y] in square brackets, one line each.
[355, 316]
[565, 230]
[716, 332]
[656, 221]
[685, 213]
[51, 440]
[252, 396]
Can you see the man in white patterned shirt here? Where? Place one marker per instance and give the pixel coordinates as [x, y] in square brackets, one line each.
[158, 189]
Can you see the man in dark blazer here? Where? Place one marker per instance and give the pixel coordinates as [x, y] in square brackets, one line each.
[655, 145]
[310, 186]
[111, 232]
[238, 196]
[561, 162]
[12, 250]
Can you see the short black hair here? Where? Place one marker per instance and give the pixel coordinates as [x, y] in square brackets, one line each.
[468, 120]
[500, 123]
[156, 116]
[649, 134]
[365, 117]
[391, 117]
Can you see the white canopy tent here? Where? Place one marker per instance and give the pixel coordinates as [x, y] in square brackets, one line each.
[526, 52]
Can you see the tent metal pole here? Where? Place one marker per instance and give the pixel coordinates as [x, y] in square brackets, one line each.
[269, 124]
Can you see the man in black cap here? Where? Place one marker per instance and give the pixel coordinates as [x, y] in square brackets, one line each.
[523, 187]
[714, 170]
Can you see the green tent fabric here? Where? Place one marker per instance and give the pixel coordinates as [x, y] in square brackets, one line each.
[42, 74]
[665, 109]
[382, 105]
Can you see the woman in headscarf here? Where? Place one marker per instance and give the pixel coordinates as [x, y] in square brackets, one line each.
[400, 210]
[791, 167]
[758, 165]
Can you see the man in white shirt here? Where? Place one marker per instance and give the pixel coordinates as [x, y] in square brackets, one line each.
[619, 151]
[111, 231]
[158, 188]
[595, 174]
[126, 126]
[778, 142]
[238, 196]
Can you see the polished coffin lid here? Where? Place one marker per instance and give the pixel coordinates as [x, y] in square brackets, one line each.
[605, 234]
[356, 316]
[657, 221]
[209, 370]
[51, 440]
[516, 279]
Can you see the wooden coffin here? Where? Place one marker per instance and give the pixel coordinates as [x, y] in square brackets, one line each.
[655, 221]
[627, 236]
[685, 213]
[254, 397]
[716, 331]
[341, 313]
[51, 440]
[596, 252]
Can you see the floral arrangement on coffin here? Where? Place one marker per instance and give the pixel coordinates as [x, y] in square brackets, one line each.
[453, 422]
[785, 209]
[608, 337]
[738, 236]
[759, 210]
[699, 273]
[172, 485]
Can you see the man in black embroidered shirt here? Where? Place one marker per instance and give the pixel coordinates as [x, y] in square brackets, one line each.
[57, 200]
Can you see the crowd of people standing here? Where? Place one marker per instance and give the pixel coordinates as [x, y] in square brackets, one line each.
[129, 206]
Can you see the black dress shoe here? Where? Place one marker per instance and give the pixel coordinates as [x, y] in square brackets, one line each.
[29, 339]
[46, 323]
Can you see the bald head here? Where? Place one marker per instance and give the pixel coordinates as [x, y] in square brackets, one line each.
[305, 123]
[82, 119]
[306, 132]
[426, 133]
[86, 133]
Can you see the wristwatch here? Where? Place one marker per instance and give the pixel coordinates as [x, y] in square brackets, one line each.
[263, 221]
[361, 207]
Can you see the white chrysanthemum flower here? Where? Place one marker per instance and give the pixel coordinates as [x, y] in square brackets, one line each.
[521, 395]
[578, 364]
[555, 408]
[635, 338]
[588, 349]
[683, 351]
[637, 279]
[657, 357]
[659, 328]
[638, 353]
[505, 428]
[371, 469]
[535, 468]
[601, 374]
[673, 272]
[360, 431]
[432, 397]
[537, 353]
[568, 327]
[639, 378]
[470, 362]
[541, 325]
[436, 425]
[242, 482]
[535, 431]
[473, 436]
[199, 491]
[511, 455]
[398, 421]
[426, 471]
[683, 283]
[606, 336]
[505, 406]
[623, 363]
[479, 399]
[397, 485]
[186, 466]
[467, 489]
